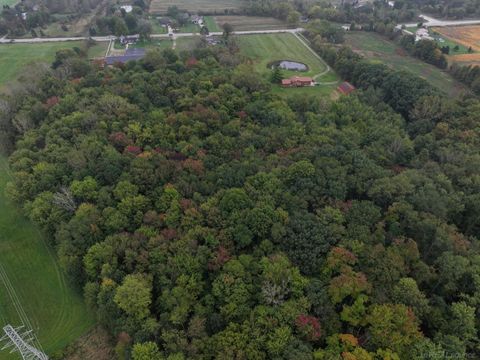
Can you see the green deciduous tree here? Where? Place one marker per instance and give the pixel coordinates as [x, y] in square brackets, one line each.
[134, 296]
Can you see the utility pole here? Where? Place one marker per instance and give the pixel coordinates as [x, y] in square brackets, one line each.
[21, 343]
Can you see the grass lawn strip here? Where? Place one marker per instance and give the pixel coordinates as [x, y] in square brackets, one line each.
[14, 58]
[33, 290]
[207, 6]
[380, 50]
[211, 24]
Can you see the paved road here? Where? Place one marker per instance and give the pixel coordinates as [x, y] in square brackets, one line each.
[429, 21]
[155, 36]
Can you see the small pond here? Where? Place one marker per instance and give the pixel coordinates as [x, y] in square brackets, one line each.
[289, 65]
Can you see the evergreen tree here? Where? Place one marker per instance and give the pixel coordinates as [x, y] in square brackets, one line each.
[276, 76]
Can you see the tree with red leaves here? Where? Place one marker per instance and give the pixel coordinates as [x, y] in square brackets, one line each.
[309, 327]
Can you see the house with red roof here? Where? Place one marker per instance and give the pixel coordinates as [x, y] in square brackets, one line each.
[298, 81]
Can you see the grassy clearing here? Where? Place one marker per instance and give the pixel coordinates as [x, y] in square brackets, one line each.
[14, 58]
[378, 49]
[153, 43]
[207, 6]
[412, 29]
[324, 90]
[187, 43]
[8, 2]
[242, 23]
[57, 313]
[266, 48]
[328, 77]
[211, 24]
[190, 28]
[157, 28]
[98, 50]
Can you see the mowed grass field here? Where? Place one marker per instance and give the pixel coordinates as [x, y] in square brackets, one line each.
[206, 6]
[33, 290]
[9, 3]
[211, 24]
[15, 58]
[263, 49]
[377, 49]
[244, 23]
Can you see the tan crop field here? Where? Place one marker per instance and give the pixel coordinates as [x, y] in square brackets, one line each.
[465, 35]
[468, 36]
[241, 23]
[466, 59]
[205, 6]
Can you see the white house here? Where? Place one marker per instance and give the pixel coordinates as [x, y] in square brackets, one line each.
[127, 8]
[391, 4]
[197, 19]
[422, 34]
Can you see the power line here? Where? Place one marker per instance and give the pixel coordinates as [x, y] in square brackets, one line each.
[15, 341]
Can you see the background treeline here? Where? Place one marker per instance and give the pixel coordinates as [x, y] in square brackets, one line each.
[27, 16]
[206, 218]
[32, 18]
[118, 22]
[458, 9]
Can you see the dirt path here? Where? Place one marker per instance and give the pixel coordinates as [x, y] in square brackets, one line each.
[327, 67]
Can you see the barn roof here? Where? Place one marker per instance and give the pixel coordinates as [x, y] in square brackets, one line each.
[346, 88]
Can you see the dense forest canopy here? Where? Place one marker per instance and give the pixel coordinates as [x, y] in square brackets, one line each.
[204, 217]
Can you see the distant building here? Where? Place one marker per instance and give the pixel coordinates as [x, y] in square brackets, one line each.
[127, 8]
[345, 88]
[211, 40]
[346, 27]
[130, 55]
[129, 39]
[391, 4]
[164, 21]
[196, 19]
[422, 34]
[298, 81]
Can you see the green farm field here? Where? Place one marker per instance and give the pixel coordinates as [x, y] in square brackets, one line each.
[266, 48]
[187, 43]
[8, 2]
[211, 24]
[189, 28]
[207, 6]
[377, 49]
[241, 23]
[14, 58]
[38, 294]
